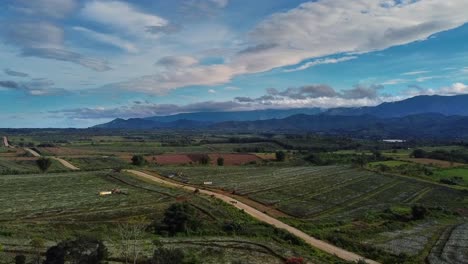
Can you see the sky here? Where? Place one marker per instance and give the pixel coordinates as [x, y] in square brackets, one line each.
[78, 63]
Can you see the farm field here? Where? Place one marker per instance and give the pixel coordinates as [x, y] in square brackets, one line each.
[26, 165]
[56, 206]
[230, 159]
[98, 162]
[321, 200]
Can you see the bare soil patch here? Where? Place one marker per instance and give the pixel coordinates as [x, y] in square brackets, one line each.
[437, 163]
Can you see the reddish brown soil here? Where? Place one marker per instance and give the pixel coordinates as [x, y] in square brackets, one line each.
[234, 159]
[177, 159]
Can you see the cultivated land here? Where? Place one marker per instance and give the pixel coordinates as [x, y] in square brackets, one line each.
[366, 197]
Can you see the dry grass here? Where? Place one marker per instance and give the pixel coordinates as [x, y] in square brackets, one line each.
[437, 163]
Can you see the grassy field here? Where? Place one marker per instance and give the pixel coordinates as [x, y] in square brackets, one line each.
[98, 163]
[8, 166]
[58, 206]
[347, 206]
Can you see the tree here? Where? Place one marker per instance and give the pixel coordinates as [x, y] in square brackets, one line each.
[138, 160]
[220, 161]
[204, 160]
[20, 259]
[280, 155]
[168, 256]
[131, 240]
[37, 244]
[180, 217]
[418, 212]
[44, 164]
[418, 154]
[81, 250]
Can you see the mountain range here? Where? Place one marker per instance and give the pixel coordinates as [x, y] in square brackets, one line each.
[420, 116]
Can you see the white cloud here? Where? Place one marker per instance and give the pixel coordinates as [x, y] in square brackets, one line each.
[108, 39]
[122, 16]
[394, 81]
[318, 29]
[454, 89]
[414, 73]
[220, 3]
[49, 8]
[212, 91]
[232, 88]
[177, 61]
[321, 61]
[46, 40]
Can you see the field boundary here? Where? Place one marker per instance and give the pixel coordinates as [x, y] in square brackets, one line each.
[314, 242]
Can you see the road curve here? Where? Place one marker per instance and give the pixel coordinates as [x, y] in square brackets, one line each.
[62, 161]
[316, 243]
[34, 153]
[66, 163]
[5, 142]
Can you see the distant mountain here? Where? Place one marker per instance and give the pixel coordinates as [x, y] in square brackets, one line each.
[140, 123]
[425, 116]
[216, 117]
[446, 105]
[200, 119]
[413, 126]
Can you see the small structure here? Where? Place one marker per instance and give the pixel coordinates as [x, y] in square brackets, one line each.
[113, 191]
[208, 183]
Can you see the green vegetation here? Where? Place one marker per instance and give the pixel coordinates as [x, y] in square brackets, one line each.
[364, 195]
[44, 164]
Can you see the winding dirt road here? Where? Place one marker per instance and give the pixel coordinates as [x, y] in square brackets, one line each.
[62, 161]
[5, 142]
[319, 244]
[66, 163]
[34, 153]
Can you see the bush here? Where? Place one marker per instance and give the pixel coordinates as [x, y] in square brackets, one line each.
[204, 160]
[220, 161]
[20, 259]
[138, 160]
[418, 154]
[81, 250]
[168, 256]
[180, 217]
[418, 212]
[44, 164]
[280, 156]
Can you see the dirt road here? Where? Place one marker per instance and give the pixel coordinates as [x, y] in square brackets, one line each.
[34, 153]
[66, 163]
[62, 161]
[319, 244]
[5, 142]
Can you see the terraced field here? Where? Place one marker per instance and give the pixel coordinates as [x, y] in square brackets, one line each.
[97, 163]
[57, 206]
[317, 192]
[71, 195]
[16, 166]
[346, 206]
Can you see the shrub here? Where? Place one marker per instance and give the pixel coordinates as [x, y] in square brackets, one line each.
[204, 160]
[44, 164]
[138, 160]
[20, 259]
[280, 156]
[180, 217]
[220, 161]
[81, 250]
[418, 212]
[168, 256]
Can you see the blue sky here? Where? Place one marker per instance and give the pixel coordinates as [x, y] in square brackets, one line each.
[76, 63]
